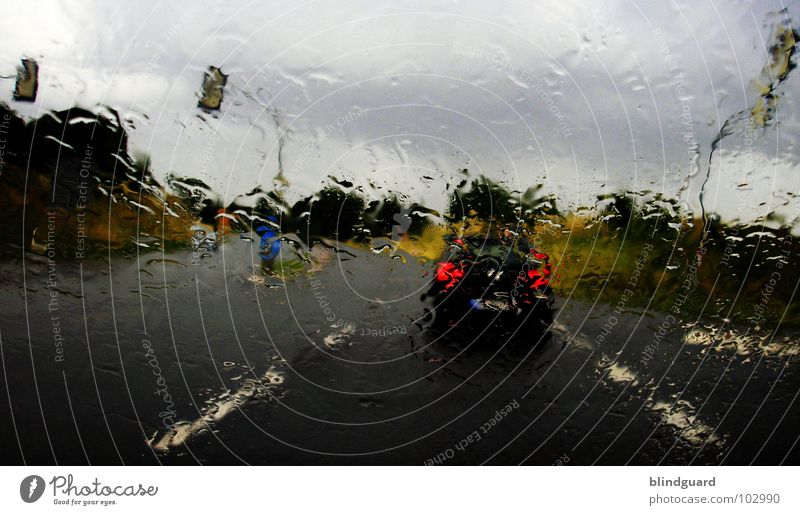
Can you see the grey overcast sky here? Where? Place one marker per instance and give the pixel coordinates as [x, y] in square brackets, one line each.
[582, 97]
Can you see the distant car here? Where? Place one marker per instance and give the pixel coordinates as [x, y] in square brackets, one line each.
[499, 281]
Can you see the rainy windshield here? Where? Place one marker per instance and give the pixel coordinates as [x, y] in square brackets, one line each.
[355, 232]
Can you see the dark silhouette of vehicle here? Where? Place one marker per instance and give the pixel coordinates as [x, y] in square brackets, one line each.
[500, 281]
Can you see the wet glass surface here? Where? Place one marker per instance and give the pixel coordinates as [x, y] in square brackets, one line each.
[360, 233]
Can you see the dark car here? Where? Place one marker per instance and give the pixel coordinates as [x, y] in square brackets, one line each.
[501, 282]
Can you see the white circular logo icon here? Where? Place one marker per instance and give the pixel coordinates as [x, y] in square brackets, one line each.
[31, 488]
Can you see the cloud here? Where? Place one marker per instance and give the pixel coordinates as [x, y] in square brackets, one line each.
[480, 84]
